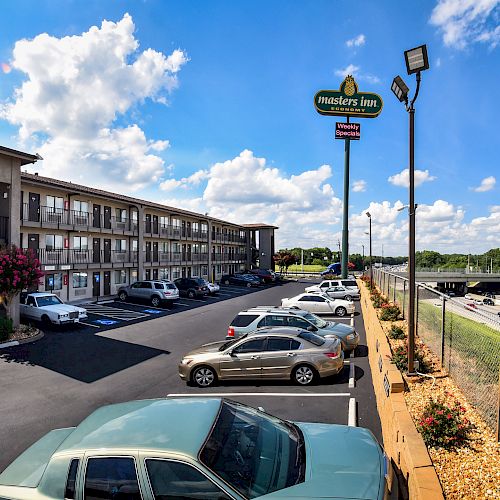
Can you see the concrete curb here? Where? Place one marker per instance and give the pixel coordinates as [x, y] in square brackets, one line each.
[29, 340]
[402, 442]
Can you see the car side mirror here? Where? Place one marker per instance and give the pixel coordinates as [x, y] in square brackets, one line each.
[232, 354]
[312, 328]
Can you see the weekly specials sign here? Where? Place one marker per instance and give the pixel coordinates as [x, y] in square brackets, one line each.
[348, 101]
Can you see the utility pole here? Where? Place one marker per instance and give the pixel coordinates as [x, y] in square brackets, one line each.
[302, 259]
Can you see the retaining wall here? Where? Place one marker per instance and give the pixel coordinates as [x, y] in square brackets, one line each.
[402, 442]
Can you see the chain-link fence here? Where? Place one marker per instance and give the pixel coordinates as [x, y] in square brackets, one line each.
[466, 339]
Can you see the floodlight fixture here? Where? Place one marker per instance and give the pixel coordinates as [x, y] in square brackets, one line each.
[400, 89]
[416, 59]
[368, 214]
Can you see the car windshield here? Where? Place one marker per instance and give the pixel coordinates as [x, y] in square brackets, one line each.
[312, 337]
[254, 452]
[229, 343]
[170, 286]
[48, 300]
[315, 320]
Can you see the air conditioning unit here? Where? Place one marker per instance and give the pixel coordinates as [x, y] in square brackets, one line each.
[120, 225]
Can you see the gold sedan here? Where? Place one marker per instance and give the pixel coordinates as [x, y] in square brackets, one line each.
[274, 353]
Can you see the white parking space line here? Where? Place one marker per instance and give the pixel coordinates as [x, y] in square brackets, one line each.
[227, 294]
[352, 380]
[114, 312]
[287, 394]
[352, 417]
[181, 304]
[89, 324]
[193, 300]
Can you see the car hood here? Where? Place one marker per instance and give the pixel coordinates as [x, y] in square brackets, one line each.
[341, 462]
[212, 347]
[338, 328]
[63, 308]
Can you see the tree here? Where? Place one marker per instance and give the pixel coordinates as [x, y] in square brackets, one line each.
[284, 259]
[19, 270]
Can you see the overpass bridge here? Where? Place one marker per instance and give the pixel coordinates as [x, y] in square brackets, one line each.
[447, 276]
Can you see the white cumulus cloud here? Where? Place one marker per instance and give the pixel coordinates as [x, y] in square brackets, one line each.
[403, 178]
[75, 89]
[352, 69]
[357, 41]
[487, 184]
[359, 186]
[463, 22]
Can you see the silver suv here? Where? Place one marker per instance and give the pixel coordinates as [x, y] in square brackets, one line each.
[274, 316]
[154, 292]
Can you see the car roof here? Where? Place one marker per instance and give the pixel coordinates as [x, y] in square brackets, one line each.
[154, 424]
[41, 294]
[279, 331]
[276, 310]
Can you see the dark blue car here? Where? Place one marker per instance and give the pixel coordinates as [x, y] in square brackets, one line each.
[332, 269]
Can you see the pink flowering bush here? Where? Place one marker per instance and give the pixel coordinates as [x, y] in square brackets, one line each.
[19, 270]
[443, 425]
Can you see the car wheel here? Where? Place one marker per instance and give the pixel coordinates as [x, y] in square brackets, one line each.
[304, 375]
[122, 296]
[341, 311]
[226, 282]
[155, 301]
[204, 376]
[249, 285]
[190, 294]
[46, 320]
[348, 297]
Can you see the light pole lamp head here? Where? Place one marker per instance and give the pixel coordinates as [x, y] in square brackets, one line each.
[400, 89]
[368, 214]
[416, 59]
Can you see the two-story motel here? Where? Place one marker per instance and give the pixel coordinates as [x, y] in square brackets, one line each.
[90, 242]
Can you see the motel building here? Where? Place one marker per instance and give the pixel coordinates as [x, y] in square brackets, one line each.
[91, 242]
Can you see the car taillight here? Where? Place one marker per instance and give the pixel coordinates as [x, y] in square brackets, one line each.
[230, 332]
[332, 355]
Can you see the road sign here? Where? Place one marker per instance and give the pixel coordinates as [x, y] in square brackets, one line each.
[347, 131]
[348, 101]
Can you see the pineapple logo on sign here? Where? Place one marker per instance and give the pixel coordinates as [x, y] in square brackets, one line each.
[348, 101]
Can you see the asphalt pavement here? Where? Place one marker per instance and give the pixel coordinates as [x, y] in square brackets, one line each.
[58, 380]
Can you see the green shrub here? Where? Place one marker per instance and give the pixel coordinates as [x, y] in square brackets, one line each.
[400, 359]
[6, 328]
[396, 332]
[377, 300]
[390, 312]
[444, 426]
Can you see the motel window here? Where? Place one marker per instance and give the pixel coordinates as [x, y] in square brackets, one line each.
[163, 221]
[176, 247]
[133, 275]
[120, 245]
[121, 214]
[164, 246]
[53, 281]
[80, 280]
[55, 203]
[80, 243]
[204, 227]
[176, 272]
[163, 273]
[204, 270]
[176, 223]
[135, 245]
[120, 277]
[53, 241]
[80, 206]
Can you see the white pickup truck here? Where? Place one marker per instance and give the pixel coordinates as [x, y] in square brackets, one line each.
[49, 308]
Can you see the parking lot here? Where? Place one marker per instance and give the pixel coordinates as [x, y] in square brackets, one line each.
[60, 379]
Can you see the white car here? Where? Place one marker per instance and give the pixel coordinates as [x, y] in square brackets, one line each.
[213, 288]
[318, 303]
[338, 292]
[349, 284]
[50, 309]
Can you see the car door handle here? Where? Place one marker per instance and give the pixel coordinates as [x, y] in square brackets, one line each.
[254, 357]
[291, 354]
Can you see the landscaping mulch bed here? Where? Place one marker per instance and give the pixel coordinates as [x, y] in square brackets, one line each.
[23, 332]
[470, 471]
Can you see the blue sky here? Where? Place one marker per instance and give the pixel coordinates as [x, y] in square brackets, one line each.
[218, 117]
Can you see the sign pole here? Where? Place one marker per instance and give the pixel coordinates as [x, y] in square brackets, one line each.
[345, 225]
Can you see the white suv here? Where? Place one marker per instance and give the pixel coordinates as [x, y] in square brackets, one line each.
[349, 284]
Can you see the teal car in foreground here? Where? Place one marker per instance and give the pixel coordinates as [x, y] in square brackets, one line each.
[198, 448]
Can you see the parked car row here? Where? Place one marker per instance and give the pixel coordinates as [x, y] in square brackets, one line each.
[232, 451]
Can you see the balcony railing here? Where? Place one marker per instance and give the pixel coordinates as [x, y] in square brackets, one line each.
[74, 256]
[227, 238]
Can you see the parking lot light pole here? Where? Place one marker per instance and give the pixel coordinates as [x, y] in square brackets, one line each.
[370, 233]
[416, 61]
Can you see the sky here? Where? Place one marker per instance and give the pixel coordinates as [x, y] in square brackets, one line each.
[208, 106]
